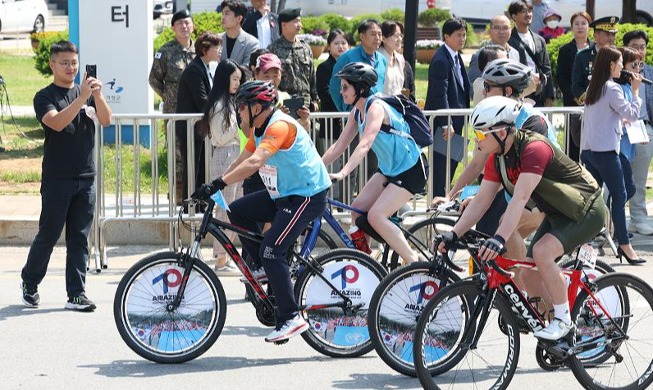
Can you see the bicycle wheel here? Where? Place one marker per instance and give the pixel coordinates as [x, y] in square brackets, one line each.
[426, 230]
[442, 345]
[548, 361]
[333, 331]
[628, 301]
[154, 332]
[395, 308]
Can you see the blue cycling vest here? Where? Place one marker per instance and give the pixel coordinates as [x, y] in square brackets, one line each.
[528, 111]
[395, 154]
[298, 170]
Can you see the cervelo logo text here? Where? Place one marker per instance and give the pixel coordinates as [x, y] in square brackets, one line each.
[519, 305]
[170, 278]
[348, 274]
[426, 290]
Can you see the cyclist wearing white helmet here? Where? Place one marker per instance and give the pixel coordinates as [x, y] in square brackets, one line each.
[504, 77]
[530, 167]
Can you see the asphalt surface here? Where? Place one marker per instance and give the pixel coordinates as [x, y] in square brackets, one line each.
[54, 348]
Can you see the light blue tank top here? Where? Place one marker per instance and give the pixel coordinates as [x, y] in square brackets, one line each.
[395, 154]
[298, 170]
[528, 111]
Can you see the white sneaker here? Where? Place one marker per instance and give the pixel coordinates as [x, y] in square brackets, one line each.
[641, 228]
[258, 274]
[293, 327]
[229, 269]
[556, 330]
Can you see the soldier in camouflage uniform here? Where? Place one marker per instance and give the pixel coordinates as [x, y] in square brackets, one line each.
[298, 72]
[169, 62]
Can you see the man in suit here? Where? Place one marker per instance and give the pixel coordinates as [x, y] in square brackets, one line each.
[192, 94]
[638, 40]
[238, 45]
[448, 87]
[261, 23]
[532, 50]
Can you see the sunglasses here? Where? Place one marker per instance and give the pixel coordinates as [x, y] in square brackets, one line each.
[242, 106]
[638, 65]
[482, 134]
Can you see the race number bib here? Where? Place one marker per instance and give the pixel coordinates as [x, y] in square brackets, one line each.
[268, 174]
[587, 255]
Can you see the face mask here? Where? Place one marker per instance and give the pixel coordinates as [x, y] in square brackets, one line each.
[552, 24]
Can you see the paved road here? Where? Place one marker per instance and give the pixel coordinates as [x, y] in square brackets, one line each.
[54, 348]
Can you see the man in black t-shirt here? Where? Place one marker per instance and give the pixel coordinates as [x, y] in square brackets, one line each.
[67, 113]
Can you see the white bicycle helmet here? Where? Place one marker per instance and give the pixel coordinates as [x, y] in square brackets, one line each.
[508, 72]
[495, 110]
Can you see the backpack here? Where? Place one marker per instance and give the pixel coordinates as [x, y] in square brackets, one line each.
[420, 131]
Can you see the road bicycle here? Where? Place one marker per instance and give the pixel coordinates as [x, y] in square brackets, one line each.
[170, 307]
[469, 333]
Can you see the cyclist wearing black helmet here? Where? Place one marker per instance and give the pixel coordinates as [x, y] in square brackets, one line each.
[402, 172]
[296, 180]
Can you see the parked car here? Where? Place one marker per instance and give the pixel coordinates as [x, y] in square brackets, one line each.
[20, 16]
[479, 13]
[161, 7]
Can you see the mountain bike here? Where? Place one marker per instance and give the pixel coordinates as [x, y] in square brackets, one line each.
[171, 307]
[469, 333]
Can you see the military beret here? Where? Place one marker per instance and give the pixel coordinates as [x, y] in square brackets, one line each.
[289, 14]
[608, 23]
[183, 14]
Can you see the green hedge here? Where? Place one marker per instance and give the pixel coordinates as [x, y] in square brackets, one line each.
[42, 51]
[554, 45]
[431, 16]
[203, 21]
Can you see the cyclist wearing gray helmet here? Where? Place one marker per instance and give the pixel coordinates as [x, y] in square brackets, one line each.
[402, 172]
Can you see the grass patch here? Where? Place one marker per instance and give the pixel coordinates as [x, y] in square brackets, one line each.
[21, 78]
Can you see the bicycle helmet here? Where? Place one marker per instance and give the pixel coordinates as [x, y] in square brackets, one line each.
[359, 73]
[511, 73]
[257, 91]
[494, 110]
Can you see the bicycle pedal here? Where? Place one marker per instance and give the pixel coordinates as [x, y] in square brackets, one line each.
[281, 342]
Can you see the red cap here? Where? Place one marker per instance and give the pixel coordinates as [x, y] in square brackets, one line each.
[267, 61]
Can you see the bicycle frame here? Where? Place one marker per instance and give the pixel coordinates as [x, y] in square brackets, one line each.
[215, 227]
[311, 238]
[500, 281]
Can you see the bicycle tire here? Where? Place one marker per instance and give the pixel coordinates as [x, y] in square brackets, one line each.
[629, 301]
[395, 309]
[425, 231]
[443, 323]
[149, 329]
[349, 335]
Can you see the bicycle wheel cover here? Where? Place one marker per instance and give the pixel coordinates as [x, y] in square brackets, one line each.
[149, 329]
[395, 308]
[624, 362]
[332, 331]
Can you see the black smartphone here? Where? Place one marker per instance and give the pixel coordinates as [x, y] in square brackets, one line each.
[91, 71]
[293, 104]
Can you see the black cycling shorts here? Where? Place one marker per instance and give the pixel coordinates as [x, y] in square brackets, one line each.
[413, 179]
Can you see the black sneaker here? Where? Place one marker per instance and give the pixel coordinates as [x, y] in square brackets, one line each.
[30, 296]
[80, 303]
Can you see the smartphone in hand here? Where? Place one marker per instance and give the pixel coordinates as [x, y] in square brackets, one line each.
[91, 71]
[293, 104]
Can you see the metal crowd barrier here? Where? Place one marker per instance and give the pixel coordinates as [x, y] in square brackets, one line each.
[147, 204]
